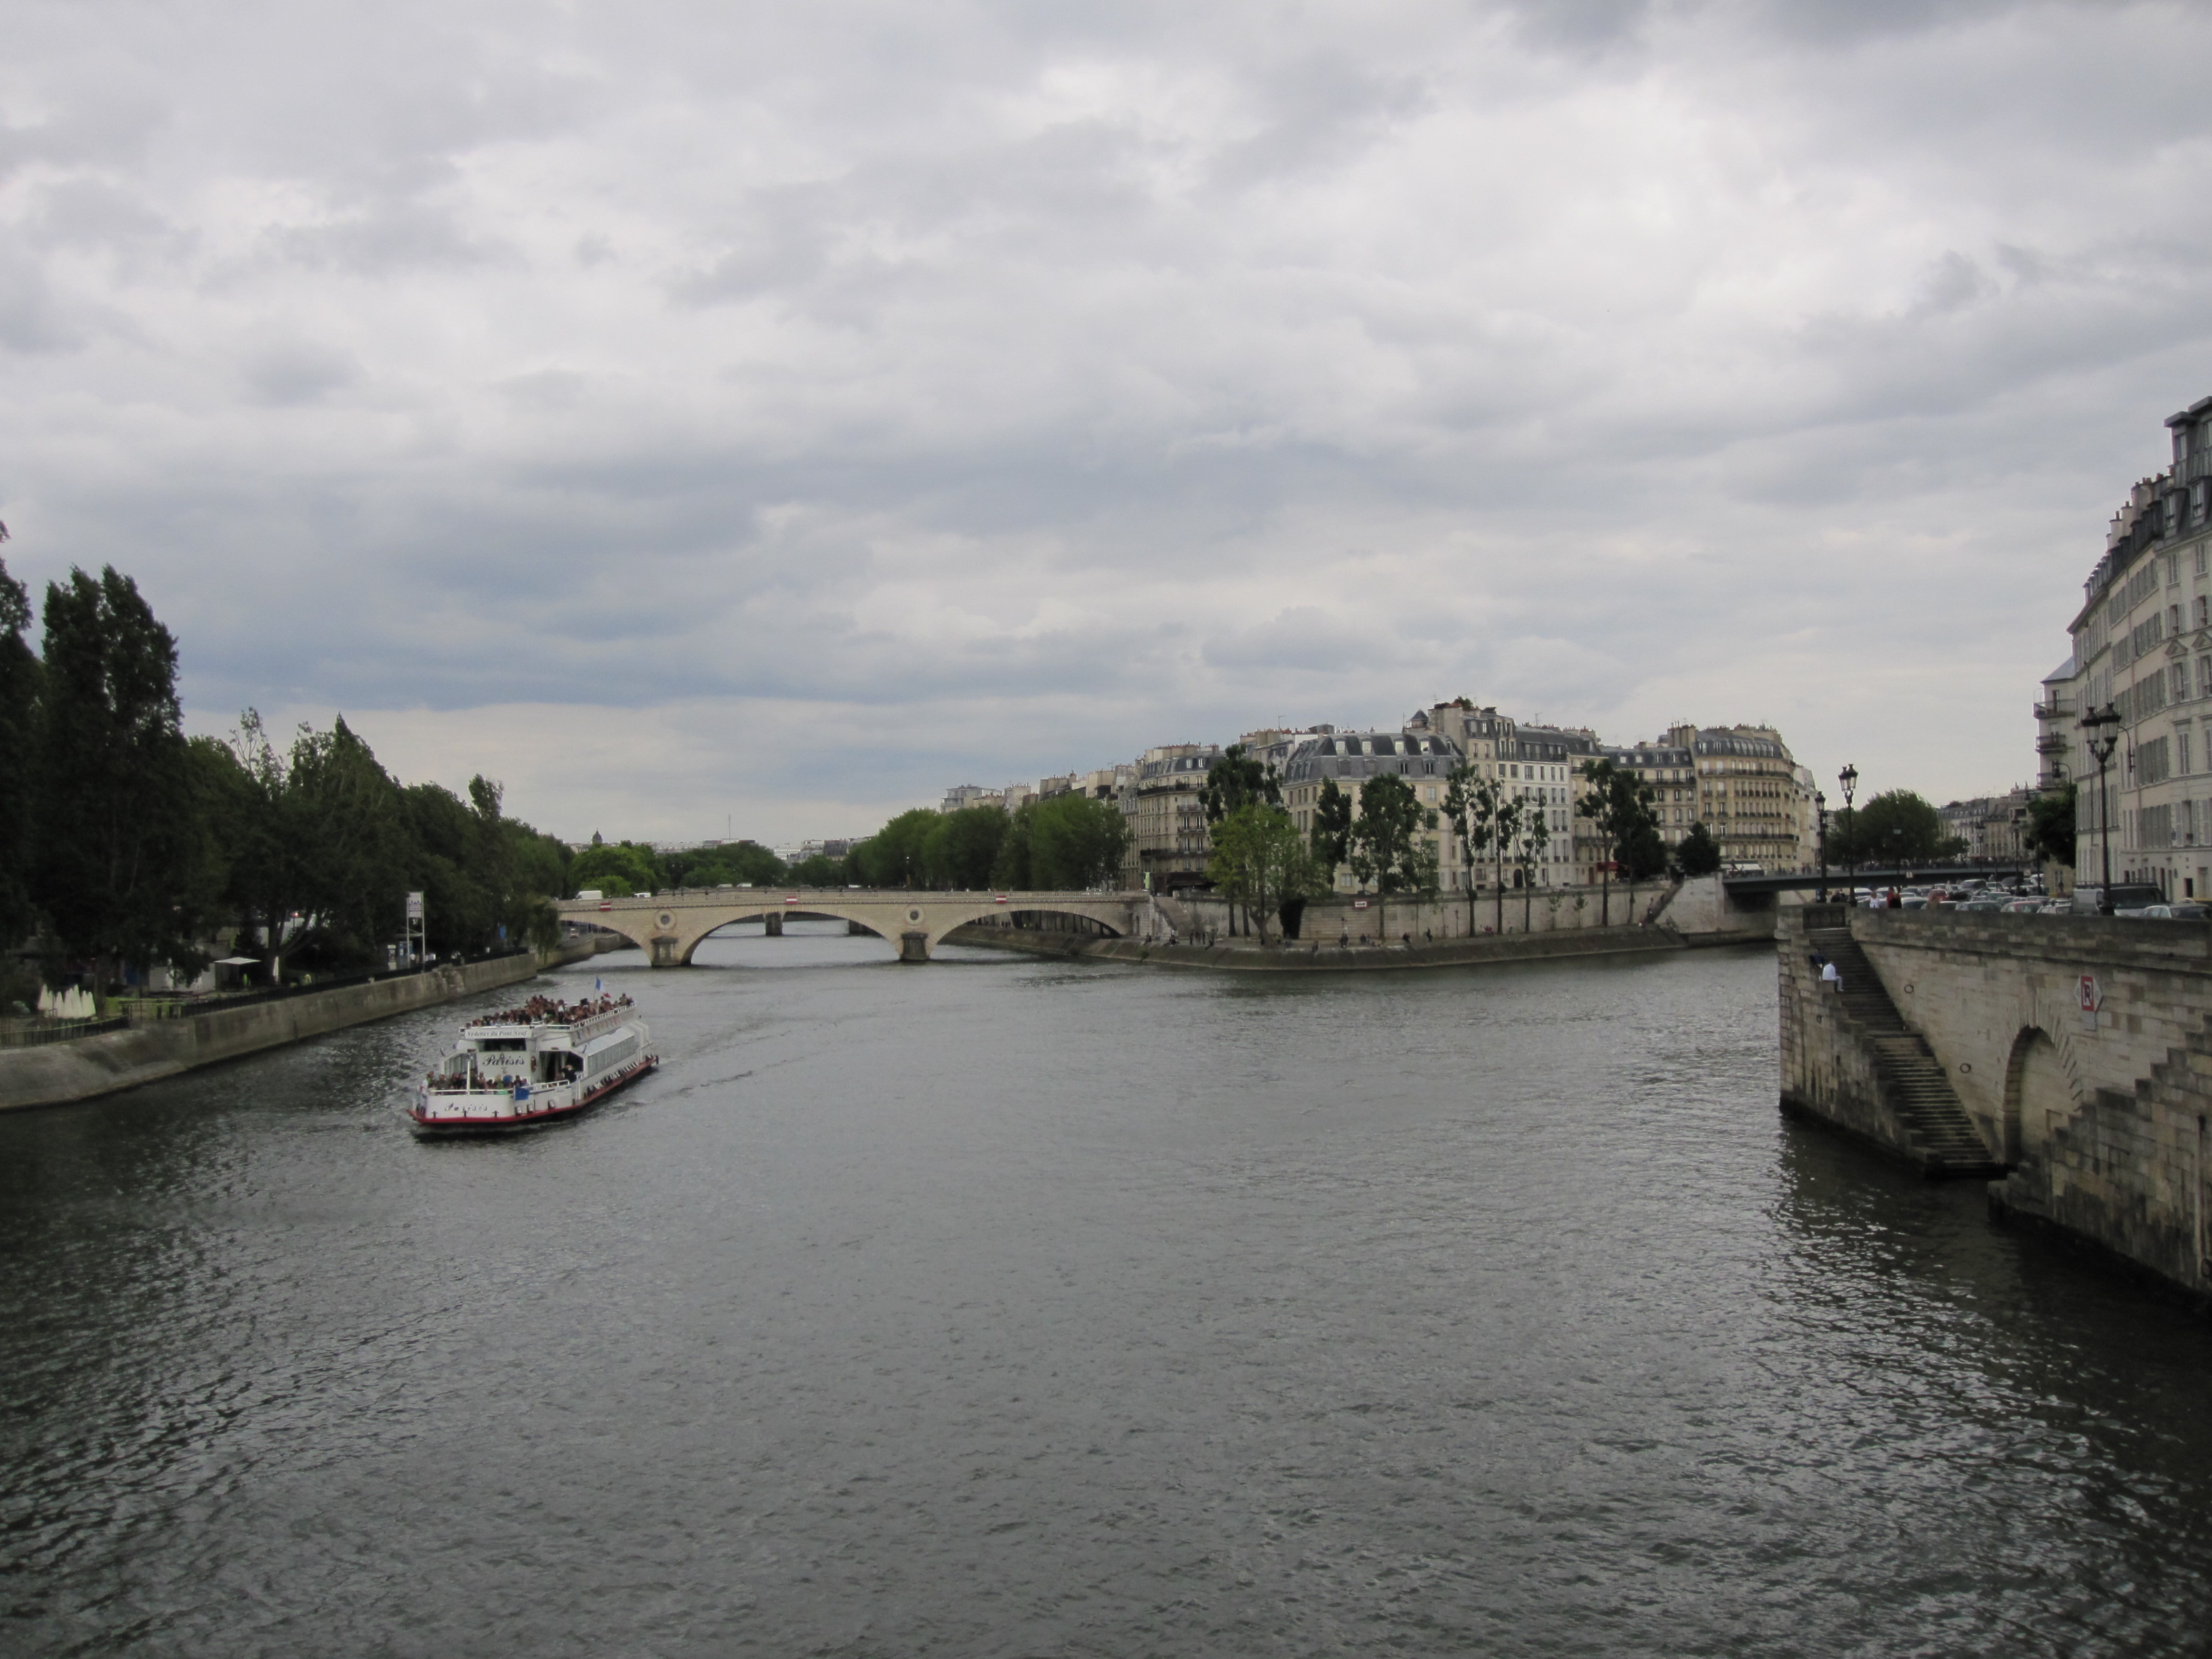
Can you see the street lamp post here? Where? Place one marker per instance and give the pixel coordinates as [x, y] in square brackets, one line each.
[1848, 777]
[1821, 809]
[2102, 729]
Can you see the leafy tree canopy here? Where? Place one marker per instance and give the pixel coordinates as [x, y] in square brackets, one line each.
[1895, 827]
[1236, 781]
[818, 871]
[1330, 841]
[122, 855]
[2050, 825]
[1699, 853]
[1260, 860]
[963, 848]
[1066, 844]
[637, 866]
[19, 678]
[894, 855]
[1384, 841]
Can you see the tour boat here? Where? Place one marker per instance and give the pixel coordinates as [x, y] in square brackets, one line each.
[533, 1066]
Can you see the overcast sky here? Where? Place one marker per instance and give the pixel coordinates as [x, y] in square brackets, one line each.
[697, 413]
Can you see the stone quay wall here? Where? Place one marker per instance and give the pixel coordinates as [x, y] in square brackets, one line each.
[63, 1072]
[1340, 920]
[1827, 1062]
[1242, 955]
[2081, 1045]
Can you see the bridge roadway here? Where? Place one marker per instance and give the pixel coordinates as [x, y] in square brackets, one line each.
[1841, 880]
[668, 927]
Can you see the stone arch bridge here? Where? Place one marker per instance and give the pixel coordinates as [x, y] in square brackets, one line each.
[668, 927]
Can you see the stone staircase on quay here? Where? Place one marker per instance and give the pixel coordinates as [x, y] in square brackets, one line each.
[1941, 1135]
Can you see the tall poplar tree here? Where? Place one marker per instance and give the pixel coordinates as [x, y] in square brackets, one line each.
[20, 677]
[120, 851]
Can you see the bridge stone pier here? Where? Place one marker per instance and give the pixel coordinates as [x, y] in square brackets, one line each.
[2069, 1055]
[668, 927]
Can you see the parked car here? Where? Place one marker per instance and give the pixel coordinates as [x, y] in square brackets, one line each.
[2184, 912]
[2023, 906]
[2128, 897]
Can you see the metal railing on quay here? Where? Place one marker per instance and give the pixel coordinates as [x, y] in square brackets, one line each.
[216, 1002]
[141, 1010]
[36, 1033]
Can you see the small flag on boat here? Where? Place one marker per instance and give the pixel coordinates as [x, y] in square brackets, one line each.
[599, 985]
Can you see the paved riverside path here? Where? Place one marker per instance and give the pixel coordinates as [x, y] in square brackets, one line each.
[668, 927]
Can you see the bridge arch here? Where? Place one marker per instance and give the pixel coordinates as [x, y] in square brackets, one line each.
[761, 913]
[2039, 1093]
[991, 908]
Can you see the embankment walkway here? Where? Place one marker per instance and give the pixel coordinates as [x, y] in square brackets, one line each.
[59, 1072]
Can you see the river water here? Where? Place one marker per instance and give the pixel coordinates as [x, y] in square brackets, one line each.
[1022, 1308]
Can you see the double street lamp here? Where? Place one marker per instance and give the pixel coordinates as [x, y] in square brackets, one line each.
[1848, 777]
[2100, 729]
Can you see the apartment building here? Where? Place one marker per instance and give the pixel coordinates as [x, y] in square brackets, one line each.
[2142, 650]
[1749, 797]
[1539, 765]
[1425, 759]
[2057, 710]
[1168, 841]
[1671, 770]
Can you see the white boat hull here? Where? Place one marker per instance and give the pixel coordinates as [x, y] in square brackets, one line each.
[533, 1065]
[441, 1113]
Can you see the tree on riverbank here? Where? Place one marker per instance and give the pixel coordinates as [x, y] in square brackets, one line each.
[20, 678]
[125, 845]
[123, 863]
[1063, 844]
[1618, 804]
[962, 847]
[1471, 803]
[1260, 862]
[2050, 826]
[1387, 847]
[1235, 782]
[1527, 856]
[1330, 839]
[1896, 827]
[1699, 853]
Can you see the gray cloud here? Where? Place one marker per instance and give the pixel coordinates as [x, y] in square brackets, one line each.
[805, 407]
